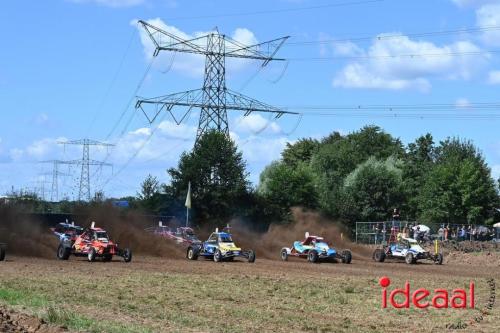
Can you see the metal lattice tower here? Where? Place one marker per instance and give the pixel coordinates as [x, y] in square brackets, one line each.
[214, 99]
[85, 163]
[54, 194]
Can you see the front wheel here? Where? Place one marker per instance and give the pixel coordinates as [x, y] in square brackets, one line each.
[410, 259]
[91, 255]
[63, 252]
[379, 255]
[312, 256]
[217, 256]
[192, 253]
[251, 256]
[284, 255]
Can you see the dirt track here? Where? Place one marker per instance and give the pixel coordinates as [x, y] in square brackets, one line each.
[262, 267]
[279, 284]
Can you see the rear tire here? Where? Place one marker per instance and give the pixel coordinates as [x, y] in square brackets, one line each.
[127, 255]
[346, 257]
[312, 256]
[63, 252]
[251, 256]
[284, 255]
[379, 255]
[439, 259]
[192, 253]
[2, 253]
[410, 259]
[91, 255]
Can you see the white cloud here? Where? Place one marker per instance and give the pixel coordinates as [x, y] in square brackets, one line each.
[462, 103]
[384, 68]
[489, 16]
[113, 3]
[473, 3]
[494, 77]
[495, 171]
[256, 124]
[186, 63]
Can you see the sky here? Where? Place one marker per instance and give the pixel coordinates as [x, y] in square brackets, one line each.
[72, 69]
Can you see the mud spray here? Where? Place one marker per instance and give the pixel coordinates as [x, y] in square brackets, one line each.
[25, 235]
[128, 231]
[269, 245]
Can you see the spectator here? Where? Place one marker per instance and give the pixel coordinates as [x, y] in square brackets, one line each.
[462, 233]
[474, 234]
[441, 233]
[446, 231]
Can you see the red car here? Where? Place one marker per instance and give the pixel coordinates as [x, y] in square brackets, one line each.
[92, 243]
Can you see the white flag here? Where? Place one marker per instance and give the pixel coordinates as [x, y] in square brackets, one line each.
[188, 197]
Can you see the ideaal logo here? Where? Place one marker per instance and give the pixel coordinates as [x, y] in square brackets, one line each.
[440, 299]
[423, 298]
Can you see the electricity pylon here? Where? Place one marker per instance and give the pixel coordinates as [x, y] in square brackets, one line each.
[85, 163]
[214, 99]
[54, 193]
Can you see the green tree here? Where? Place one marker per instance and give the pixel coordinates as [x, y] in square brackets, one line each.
[372, 190]
[216, 170]
[299, 152]
[419, 161]
[338, 156]
[459, 189]
[284, 186]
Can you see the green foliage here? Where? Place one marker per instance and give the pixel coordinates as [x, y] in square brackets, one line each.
[372, 190]
[299, 152]
[284, 186]
[459, 188]
[216, 170]
[365, 174]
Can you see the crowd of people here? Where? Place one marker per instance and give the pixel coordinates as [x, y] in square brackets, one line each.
[422, 233]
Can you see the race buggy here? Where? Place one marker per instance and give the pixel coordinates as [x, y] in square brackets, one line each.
[91, 243]
[406, 249]
[182, 235]
[315, 249]
[66, 230]
[3, 247]
[219, 247]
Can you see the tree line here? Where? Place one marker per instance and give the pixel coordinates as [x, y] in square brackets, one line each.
[360, 176]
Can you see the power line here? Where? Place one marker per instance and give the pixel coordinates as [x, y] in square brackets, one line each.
[113, 80]
[274, 11]
[398, 36]
[393, 56]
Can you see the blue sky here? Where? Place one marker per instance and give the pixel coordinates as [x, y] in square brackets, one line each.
[69, 67]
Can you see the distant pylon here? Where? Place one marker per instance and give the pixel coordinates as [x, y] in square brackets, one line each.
[85, 163]
[54, 193]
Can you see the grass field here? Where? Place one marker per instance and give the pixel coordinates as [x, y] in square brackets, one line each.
[159, 295]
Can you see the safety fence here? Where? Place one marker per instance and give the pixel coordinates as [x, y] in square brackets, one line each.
[379, 232]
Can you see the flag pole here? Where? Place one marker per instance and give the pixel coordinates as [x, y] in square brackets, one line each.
[188, 204]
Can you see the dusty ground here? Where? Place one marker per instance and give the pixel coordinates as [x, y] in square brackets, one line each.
[154, 294]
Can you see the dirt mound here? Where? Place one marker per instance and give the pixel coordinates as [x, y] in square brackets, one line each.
[24, 235]
[11, 321]
[128, 231]
[268, 245]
